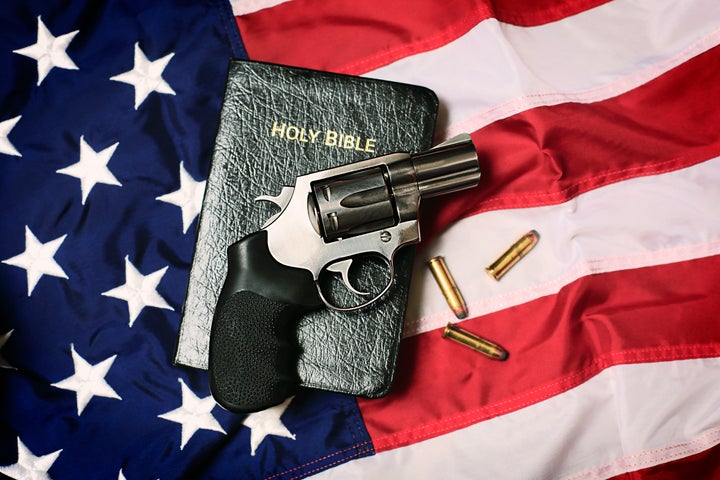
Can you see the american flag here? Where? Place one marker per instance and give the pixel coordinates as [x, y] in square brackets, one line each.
[597, 126]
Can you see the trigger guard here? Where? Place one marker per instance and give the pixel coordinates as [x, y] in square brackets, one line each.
[364, 304]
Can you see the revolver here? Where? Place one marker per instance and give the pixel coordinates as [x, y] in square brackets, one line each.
[326, 221]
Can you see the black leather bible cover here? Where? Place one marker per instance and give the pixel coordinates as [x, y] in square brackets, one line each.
[277, 123]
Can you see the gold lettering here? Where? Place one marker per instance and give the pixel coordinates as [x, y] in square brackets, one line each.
[294, 134]
[279, 129]
[357, 145]
[331, 138]
[302, 137]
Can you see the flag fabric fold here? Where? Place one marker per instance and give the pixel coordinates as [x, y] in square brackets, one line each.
[596, 124]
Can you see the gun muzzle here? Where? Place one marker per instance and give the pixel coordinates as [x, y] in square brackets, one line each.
[446, 168]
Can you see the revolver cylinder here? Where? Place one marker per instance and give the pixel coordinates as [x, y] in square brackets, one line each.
[354, 204]
[389, 193]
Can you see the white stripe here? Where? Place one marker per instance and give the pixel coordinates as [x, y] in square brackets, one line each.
[640, 222]
[243, 7]
[497, 70]
[626, 418]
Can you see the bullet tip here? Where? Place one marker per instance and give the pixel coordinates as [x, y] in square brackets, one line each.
[492, 273]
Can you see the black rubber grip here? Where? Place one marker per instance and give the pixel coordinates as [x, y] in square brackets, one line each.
[253, 341]
[255, 353]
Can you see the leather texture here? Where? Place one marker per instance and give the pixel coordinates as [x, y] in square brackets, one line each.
[353, 352]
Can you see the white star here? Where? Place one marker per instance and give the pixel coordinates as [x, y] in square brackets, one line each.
[188, 197]
[38, 259]
[267, 422]
[5, 129]
[88, 381]
[49, 51]
[146, 76]
[139, 290]
[29, 466]
[193, 415]
[92, 168]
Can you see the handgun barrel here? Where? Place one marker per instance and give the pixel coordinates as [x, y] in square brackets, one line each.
[447, 168]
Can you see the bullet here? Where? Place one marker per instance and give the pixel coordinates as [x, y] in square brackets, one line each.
[479, 344]
[447, 285]
[513, 254]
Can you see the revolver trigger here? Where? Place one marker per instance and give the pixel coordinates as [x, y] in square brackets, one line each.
[343, 268]
[281, 201]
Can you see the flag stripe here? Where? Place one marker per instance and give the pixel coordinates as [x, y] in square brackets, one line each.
[565, 132]
[387, 30]
[625, 418]
[558, 158]
[243, 7]
[637, 315]
[629, 463]
[705, 464]
[508, 69]
[550, 154]
[598, 231]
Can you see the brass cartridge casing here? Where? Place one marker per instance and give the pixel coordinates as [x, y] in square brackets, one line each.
[513, 254]
[448, 287]
[479, 344]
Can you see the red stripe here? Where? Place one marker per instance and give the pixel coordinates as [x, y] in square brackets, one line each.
[555, 343]
[548, 155]
[356, 37]
[705, 464]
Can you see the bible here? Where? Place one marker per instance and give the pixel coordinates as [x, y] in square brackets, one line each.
[277, 123]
